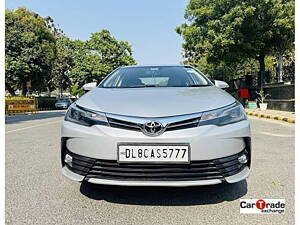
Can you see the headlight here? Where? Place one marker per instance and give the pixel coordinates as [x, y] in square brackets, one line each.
[227, 115]
[77, 114]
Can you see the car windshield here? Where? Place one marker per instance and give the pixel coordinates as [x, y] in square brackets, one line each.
[161, 76]
[63, 100]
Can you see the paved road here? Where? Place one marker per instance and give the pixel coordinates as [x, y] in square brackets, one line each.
[36, 192]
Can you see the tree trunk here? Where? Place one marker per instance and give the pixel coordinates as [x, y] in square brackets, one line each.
[10, 89]
[24, 89]
[280, 68]
[262, 65]
[49, 91]
[262, 69]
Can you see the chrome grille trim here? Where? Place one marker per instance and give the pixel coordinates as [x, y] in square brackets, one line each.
[183, 124]
[170, 122]
[123, 124]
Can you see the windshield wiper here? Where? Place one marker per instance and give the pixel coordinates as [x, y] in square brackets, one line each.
[198, 85]
[141, 86]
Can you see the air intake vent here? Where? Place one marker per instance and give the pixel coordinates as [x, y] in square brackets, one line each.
[196, 170]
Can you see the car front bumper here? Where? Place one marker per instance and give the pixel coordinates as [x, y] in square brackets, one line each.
[214, 150]
[61, 106]
[231, 179]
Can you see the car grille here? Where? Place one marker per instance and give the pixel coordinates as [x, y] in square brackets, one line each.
[170, 126]
[124, 124]
[196, 170]
[183, 124]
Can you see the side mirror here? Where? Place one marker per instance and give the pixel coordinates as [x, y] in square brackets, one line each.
[221, 84]
[89, 86]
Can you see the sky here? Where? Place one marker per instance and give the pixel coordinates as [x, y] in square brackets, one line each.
[148, 25]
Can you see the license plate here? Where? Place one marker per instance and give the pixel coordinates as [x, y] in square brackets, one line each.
[164, 153]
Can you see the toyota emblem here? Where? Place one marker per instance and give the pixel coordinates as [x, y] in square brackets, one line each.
[153, 128]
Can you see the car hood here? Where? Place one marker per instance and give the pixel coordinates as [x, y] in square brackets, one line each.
[156, 101]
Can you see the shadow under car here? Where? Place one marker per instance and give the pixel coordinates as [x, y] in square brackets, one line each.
[165, 196]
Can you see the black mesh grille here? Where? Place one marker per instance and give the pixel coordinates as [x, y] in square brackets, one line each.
[196, 170]
[80, 164]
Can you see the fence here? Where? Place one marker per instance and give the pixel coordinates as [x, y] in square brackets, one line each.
[282, 96]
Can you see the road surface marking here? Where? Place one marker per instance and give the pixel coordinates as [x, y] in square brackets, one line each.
[39, 125]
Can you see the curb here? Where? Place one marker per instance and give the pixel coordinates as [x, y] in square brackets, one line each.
[42, 110]
[267, 116]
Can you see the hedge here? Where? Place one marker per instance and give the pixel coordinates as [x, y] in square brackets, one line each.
[46, 102]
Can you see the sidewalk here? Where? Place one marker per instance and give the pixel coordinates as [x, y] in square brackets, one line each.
[272, 114]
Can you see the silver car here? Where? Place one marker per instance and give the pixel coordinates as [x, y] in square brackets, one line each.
[63, 103]
[156, 126]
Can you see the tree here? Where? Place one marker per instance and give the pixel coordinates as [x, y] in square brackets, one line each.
[288, 66]
[98, 56]
[233, 31]
[38, 51]
[77, 91]
[62, 65]
[29, 50]
[228, 71]
[111, 51]
[63, 61]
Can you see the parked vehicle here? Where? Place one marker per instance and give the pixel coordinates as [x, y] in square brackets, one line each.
[156, 126]
[63, 103]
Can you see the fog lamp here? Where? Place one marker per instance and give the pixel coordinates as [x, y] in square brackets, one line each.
[68, 159]
[243, 159]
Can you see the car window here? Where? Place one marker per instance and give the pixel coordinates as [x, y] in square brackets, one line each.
[63, 100]
[177, 76]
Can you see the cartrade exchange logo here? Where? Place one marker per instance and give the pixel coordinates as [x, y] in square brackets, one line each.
[262, 206]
